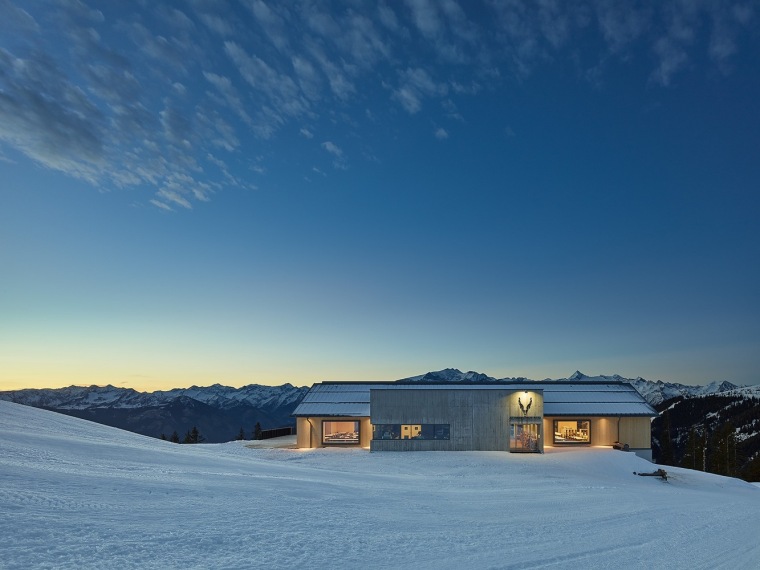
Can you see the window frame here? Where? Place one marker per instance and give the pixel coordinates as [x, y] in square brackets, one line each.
[445, 428]
[566, 442]
[343, 443]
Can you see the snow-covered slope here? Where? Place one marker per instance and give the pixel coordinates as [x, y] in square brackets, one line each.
[80, 495]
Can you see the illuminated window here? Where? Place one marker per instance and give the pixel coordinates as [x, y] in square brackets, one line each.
[340, 432]
[572, 431]
[524, 437]
[410, 431]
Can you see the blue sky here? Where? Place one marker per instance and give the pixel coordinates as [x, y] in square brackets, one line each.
[240, 192]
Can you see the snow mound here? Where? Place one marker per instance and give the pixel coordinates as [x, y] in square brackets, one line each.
[76, 494]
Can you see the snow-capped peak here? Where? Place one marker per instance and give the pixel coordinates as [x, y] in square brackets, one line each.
[217, 395]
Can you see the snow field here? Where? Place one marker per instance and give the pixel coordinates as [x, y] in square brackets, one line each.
[74, 494]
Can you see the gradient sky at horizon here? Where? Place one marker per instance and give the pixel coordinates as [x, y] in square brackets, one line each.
[267, 192]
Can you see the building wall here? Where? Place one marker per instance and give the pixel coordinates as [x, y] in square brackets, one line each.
[478, 419]
[309, 431]
[636, 432]
[303, 433]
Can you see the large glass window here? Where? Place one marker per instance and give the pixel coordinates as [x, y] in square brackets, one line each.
[341, 432]
[572, 431]
[410, 431]
[524, 437]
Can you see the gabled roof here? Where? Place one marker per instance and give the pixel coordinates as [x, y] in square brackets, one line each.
[336, 399]
[352, 399]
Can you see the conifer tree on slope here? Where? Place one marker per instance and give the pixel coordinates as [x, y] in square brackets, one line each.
[194, 436]
[693, 457]
[666, 445]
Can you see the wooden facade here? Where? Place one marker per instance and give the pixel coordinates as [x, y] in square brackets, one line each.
[477, 419]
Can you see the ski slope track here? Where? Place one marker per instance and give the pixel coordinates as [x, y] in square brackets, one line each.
[74, 494]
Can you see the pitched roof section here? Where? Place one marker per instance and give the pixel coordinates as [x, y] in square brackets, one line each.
[560, 398]
[594, 399]
[336, 399]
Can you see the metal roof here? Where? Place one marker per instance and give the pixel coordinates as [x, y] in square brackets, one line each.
[560, 398]
[349, 410]
[333, 399]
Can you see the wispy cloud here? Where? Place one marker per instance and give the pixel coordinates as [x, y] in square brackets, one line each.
[308, 77]
[49, 118]
[145, 101]
[88, 115]
[621, 24]
[161, 205]
[173, 196]
[426, 18]
[415, 84]
[273, 24]
[218, 24]
[339, 161]
[17, 19]
[280, 94]
[340, 83]
[671, 58]
[229, 93]
[332, 148]
[5, 159]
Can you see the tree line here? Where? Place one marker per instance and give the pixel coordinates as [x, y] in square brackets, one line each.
[194, 435]
[716, 434]
[714, 452]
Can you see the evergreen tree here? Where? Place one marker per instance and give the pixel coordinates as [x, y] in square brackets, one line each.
[751, 471]
[666, 444]
[163, 436]
[729, 441]
[723, 461]
[188, 437]
[175, 437]
[693, 457]
[257, 431]
[241, 435]
[194, 436]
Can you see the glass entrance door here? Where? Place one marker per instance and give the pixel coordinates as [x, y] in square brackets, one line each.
[524, 437]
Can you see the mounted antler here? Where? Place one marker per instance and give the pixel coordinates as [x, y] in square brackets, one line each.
[524, 409]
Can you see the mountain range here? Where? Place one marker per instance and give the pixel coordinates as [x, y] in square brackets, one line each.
[219, 412]
[655, 392]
